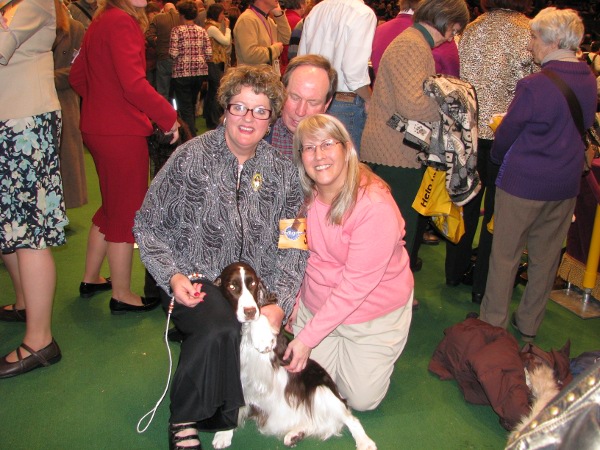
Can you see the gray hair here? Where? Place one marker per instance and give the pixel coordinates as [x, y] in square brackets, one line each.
[561, 26]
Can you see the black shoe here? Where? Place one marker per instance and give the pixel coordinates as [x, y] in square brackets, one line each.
[416, 304]
[476, 297]
[451, 282]
[175, 441]
[174, 335]
[525, 337]
[429, 238]
[86, 290]
[118, 307]
[472, 315]
[521, 276]
[418, 265]
[12, 315]
[42, 358]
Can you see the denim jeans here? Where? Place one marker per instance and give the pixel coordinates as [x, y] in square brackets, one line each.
[352, 115]
[164, 69]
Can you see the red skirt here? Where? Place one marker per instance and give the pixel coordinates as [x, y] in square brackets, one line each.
[122, 166]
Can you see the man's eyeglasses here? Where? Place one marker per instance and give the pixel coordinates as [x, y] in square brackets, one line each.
[240, 110]
[325, 146]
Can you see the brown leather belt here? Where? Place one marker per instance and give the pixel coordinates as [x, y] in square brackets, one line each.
[348, 97]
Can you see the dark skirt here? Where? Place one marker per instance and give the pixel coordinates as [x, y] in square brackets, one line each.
[206, 387]
[32, 208]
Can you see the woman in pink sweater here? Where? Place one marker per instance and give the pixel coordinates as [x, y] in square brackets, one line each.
[355, 304]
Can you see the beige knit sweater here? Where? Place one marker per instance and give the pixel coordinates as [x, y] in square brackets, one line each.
[405, 65]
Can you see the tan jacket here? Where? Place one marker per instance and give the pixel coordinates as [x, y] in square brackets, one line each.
[26, 64]
[253, 44]
[405, 65]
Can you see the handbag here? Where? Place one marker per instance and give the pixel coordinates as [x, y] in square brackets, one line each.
[432, 199]
[591, 136]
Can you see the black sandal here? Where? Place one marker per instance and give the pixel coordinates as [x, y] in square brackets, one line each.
[175, 441]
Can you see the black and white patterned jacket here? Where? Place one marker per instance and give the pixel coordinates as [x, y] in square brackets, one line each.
[195, 219]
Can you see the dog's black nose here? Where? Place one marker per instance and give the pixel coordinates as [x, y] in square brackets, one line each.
[250, 312]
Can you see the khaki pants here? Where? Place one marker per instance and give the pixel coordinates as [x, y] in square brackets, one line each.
[542, 227]
[360, 357]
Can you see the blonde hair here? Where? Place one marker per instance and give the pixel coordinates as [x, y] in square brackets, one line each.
[358, 176]
[139, 14]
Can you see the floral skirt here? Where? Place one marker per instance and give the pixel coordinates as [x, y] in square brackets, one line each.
[32, 208]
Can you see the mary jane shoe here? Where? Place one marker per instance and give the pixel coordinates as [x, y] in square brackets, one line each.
[42, 358]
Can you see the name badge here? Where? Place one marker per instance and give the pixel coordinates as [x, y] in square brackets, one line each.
[292, 234]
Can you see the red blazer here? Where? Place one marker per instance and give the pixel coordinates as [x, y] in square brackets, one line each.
[110, 76]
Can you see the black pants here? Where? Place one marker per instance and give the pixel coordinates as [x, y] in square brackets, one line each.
[458, 255]
[212, 108]
[488, 171]
[206, 387]
[186, 93]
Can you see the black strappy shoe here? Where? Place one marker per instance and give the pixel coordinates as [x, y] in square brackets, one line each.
[175, 442]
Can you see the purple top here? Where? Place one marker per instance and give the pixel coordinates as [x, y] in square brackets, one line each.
[445, 55]
[537, 143]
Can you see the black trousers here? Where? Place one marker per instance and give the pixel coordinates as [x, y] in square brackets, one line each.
[488, 173]
[212, 109]
[458, 255]
[206, 387]
[186, 93]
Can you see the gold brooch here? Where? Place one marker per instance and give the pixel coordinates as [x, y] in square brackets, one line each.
[257, 180]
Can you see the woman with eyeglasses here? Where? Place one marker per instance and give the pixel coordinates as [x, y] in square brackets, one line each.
[355, 303]
[220, 199]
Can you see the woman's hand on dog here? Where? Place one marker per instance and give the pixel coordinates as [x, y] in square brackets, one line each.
[297, 353]
[175, 132]
[185, 292]
[275, 315]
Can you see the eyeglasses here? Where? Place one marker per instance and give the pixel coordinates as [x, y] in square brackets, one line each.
[240, 110]
[324, 146]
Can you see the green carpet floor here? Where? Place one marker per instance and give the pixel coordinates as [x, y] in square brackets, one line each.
[114, 369]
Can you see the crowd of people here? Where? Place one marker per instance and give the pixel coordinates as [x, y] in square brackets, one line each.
[326, 132]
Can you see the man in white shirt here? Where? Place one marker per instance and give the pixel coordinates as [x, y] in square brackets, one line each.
[342, 31]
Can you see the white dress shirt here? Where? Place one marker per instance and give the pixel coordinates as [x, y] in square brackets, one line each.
[342, 31]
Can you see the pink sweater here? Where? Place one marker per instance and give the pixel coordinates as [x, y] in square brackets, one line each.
[357, 271]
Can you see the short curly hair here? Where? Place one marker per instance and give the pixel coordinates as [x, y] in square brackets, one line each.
[187, 9]
[262, 79]
[561, 26]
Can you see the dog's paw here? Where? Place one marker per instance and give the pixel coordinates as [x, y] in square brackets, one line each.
[222, 439]
[292, 438]
[365, 444]
[263, 338]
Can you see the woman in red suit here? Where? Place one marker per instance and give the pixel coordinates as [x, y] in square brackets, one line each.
[109, 74]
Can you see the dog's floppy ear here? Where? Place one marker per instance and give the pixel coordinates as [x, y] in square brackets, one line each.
[261, 294]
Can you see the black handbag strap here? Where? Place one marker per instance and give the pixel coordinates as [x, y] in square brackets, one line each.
[89, 16]
[574, 105]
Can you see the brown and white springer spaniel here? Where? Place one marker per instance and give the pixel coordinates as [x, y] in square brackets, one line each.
[284, 404]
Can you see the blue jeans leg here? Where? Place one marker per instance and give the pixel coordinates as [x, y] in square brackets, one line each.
[352, 115]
